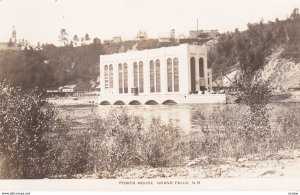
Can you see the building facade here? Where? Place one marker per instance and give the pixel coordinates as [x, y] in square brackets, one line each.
[178, 70]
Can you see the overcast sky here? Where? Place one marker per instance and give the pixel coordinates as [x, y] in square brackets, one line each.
[41, 20]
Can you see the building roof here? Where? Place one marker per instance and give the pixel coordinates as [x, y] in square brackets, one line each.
[68, 87]
[152, 52]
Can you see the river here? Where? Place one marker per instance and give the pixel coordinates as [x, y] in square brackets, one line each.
[182, 115]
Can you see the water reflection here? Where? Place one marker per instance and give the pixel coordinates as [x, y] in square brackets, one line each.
[182, 115]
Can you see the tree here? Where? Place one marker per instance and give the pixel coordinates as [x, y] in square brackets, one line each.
[38, 46]
[75, 40]
[10, 43]
[254, 92]
[63, 36]
[295, 14]
[86, 37]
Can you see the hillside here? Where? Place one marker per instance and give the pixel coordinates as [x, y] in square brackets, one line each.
[283, 73]
[269, 47]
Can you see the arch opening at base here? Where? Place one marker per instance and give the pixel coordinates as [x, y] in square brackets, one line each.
[119, 102]
[134, 102]
[151, 102]
[104, 103]
[169, 102]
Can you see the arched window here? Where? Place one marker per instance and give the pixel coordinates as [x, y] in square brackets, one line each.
[201, 67]
[111, 76]
[157, 75]
[169, 75]
[193, 78]
[135, 75]
[152, 77]
[176, 74]
[125, 75]
[106, 76]
[141, 77]
[120, 78]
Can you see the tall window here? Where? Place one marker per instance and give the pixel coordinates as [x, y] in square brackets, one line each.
[201, 67]
[111, 76]
[157, 75]
[152, 77]
[192, 69]
[135, 74]
[125, 74]
[120, 78]
[141, 77]
[106, 76]
[176, 74]
[169, 75]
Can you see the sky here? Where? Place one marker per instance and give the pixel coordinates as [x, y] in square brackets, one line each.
[41, 20]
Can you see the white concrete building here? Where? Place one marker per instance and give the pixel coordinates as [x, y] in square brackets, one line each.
[168, 73]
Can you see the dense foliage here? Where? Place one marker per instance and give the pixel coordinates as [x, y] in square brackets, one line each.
[258, 41]
[24, 122]
[50, 66]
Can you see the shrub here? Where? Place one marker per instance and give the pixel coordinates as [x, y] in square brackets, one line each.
[68, 151]
[24, 121]
[114, 141]
[162, 144]
[233, 131]
[288, 130]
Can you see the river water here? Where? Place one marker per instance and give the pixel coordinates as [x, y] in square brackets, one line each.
[182, 115]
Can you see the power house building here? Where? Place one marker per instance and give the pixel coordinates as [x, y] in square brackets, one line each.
[168, 74]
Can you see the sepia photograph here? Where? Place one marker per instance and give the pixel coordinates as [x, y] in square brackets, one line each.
[146, 95]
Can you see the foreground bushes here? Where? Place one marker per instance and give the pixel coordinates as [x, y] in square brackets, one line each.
[24, 122]
[122, 140]
[235, 131]
[33, 142]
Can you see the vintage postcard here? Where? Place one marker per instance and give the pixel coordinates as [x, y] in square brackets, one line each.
[147, 95]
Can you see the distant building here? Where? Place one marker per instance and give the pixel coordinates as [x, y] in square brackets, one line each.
[199, 37]
[204, 34]
[168, 39]
[117, 39]
[164, 39]
[52, 91]
[142, 36]
[12, 44]
[67, 89]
